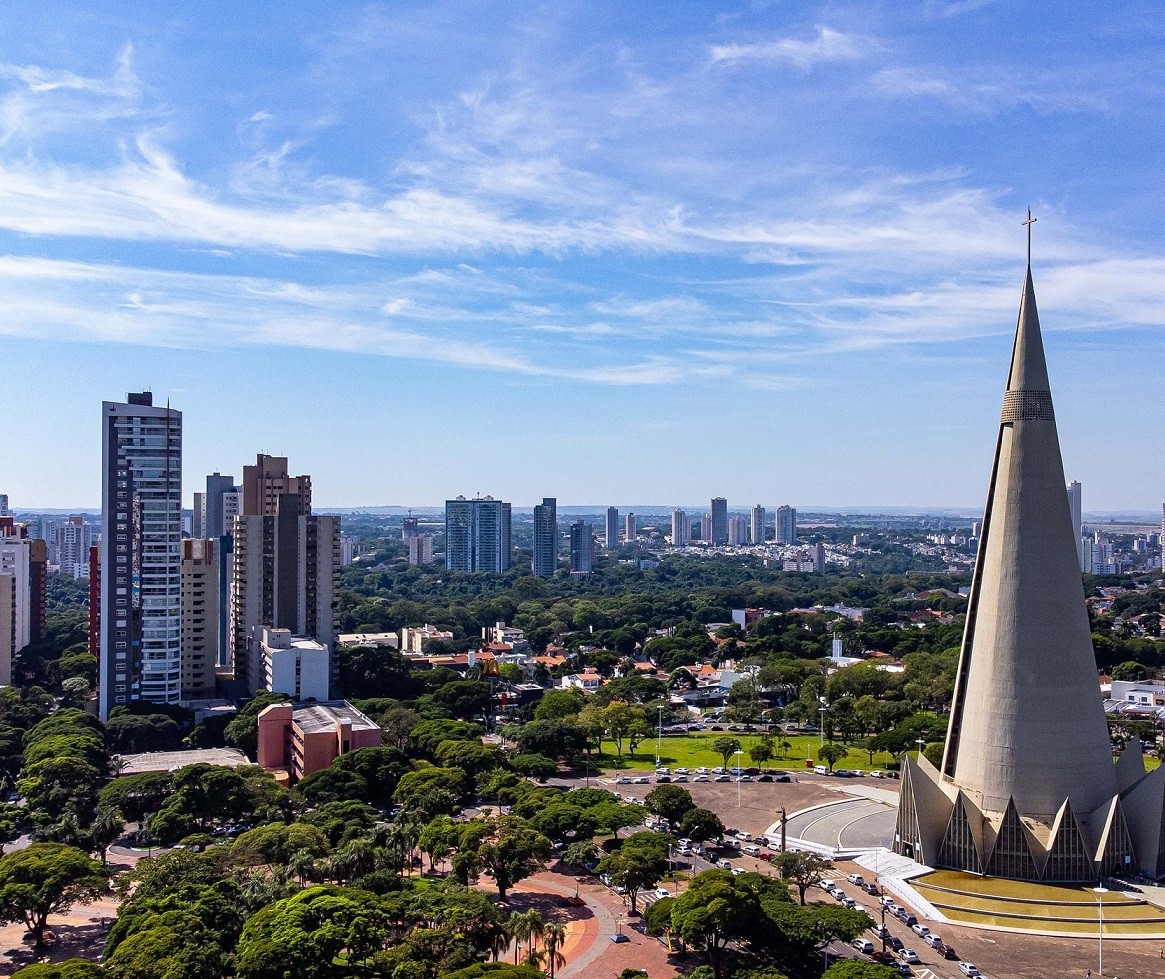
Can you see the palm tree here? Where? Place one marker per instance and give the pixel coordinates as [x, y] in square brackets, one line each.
[302, 865]
[555, 938]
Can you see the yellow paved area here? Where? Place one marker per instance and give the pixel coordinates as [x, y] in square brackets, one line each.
[1020, 905]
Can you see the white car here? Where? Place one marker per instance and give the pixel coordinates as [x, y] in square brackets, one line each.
[863, 945]
[920, 930]
[722, 778]
[701, 778]
[886, 901]
[967, 969]
[737, 871]
[680, 771]
[662, 770]
[744, 837]
[744, 778]
[662, 892]
[908, 955]
[933, 940]
[679, 778]
[855, 879]
[723, 865]
[702, 770]
[643, 780]
[850, 903]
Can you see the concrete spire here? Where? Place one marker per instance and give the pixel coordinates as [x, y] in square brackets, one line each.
[1028, 723]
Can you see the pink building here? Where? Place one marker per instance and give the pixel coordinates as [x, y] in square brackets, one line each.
[300, 740]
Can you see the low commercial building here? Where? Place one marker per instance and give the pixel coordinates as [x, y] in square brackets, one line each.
[297, 740]
[412, 640]
[168, 761]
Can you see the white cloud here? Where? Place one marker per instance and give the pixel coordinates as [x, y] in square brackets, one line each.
[828, 45]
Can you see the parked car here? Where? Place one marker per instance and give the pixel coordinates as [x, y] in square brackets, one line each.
[887, 903]
[784, 777]
[969, 969]
[679, 778]
[920, 930]
[855, 878]
[751, 849]
[702, 770]
[863, 945]
[881, 931]
[722, 778]
[764, 778]
[679, 771]
[895, 942]
[701, 778]
[744, 778]
[743, 836]
[870, 888]
[839, 895]
[624, 780]
[850, 903]
[904, 969]
[643, 780]
[909, 955]
[933, 940]
[661, 779]
[882, 958]
[723, 865]
[948, 953]
[662, 892]
[663, 770]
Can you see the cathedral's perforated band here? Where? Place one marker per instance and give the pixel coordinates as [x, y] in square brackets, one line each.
[1027, 406]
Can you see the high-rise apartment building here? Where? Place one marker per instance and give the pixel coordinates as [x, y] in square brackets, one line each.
[3, 504]
[737, 530]
[409, 529]
[74, 537]
[286, 570]
[421, 549]
[16, 603]
[612, 531]
[268, 480]
[706, 527]
[216, 509]
[545, 561]
[630, 528]
[477, 535]
[141, 559]
[582, 548]
[1077, 514]
[681, 529]
[757, 527]
[819, 558]
[200, 616]
[786, 525]
[719, 521]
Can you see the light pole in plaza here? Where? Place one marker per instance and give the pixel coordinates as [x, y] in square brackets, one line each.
[738, 754]
[1100, 892]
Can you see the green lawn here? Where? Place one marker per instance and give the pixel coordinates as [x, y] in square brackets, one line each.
[693, 750]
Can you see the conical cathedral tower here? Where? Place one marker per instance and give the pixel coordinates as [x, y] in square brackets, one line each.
[1028, 788]
[1028, 720]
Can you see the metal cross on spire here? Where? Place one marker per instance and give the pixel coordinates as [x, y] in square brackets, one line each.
[1028, 223]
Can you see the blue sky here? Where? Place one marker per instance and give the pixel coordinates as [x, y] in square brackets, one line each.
[612, 252]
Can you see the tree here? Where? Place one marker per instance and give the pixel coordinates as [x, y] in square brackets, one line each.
[640, 862]
[803, 870]
[396, 725]
[857, 969]
[743, 702]
[44, 879]
[701, 825]
[762, 751]
[561, 822]
[439, 839]
[535, 766]
[512, 852]
[558, 704]
[831, 753]
[277, 843]
[552, 941]
[170, 944]
[670, 802]
[726, 748]
[715, 910]
[658, 916]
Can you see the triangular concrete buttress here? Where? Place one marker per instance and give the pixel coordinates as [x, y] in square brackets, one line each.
[1014, 850]
[1144, 811]
[1069, 857]
[923, 811]
[1115, 856]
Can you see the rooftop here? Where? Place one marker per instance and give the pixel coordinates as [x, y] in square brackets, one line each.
[165, 761]
[313, 718]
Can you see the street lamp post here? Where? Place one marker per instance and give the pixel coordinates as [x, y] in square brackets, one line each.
[658, 735]
[738, 754]
[821, 710]
[921, 742]
[1100, 892]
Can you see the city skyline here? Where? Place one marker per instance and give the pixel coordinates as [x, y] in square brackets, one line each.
[550, 234]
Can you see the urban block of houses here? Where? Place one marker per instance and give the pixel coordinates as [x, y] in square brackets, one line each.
[296, 740]
[588, 681]
[501, 634]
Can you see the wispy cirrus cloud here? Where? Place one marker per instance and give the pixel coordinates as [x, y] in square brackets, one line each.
[828, 45]
[988, 91]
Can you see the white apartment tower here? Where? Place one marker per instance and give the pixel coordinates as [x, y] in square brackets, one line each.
[681, 529]
[141, 558]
